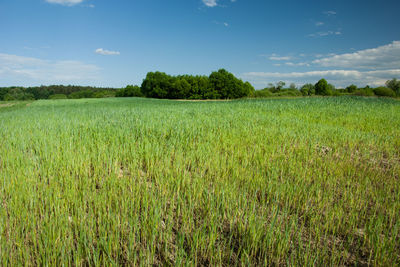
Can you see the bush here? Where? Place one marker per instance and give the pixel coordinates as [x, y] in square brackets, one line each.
[335, 93]
[103, 94]
[384, 91]
[262, 93]
[82, 94]
[364, 92]
[58, 96]
[288, 92]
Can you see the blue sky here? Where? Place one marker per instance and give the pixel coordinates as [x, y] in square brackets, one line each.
[115, 43]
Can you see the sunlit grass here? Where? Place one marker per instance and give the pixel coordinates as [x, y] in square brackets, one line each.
[139, 181]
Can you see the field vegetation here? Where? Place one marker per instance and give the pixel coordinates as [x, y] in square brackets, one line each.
[136, 181]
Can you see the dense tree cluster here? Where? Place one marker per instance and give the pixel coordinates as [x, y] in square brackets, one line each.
[219, 85]
[60, 91]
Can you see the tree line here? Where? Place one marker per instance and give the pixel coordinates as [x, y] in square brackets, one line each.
[323, 88]
[220, 84]
[54, 92]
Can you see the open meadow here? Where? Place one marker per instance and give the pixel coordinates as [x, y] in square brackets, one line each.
[132, 181]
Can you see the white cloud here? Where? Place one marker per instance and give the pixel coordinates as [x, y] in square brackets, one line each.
[382, 57]
[210, 3]
[276, 58]
[18, 69]
[104, 52]
[319, 23]
[65, 2]
[326, 33]
[299, 64]
[339, 78]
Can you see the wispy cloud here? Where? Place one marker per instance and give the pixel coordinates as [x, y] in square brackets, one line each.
[330, 13]
[319, 23]
[276, 57]
[382, 57]
[65, 2]
[104, 52]
[17, 69]
[325, 33]
[299, 64]
[210, 3]
[226, 24]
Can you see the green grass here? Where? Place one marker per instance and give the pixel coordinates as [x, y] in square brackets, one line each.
[306, 181]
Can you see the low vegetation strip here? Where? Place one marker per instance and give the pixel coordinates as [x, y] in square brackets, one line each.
[6, 105]
[136, 181]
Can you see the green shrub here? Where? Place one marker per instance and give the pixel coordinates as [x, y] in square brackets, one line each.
[384, 91]
[364, 92]
[351, 89]
[103, 94]
[335, 92]
[262, 93]
[288, 92]
[82, 94]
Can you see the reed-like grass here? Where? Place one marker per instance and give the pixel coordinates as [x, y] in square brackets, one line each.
[307, 181]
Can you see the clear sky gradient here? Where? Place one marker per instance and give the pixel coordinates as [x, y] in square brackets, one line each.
[115, 43]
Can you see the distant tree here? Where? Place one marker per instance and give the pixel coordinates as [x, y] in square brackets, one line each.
[293, 86]
[157, 85]
[3, 92]
[226, 85]
[394, 84]
[322, 88]
[280, 85]
[275, 88]
[308, 89]
[351, 88]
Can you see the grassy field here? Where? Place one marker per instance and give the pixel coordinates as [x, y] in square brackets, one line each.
[306, 181]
